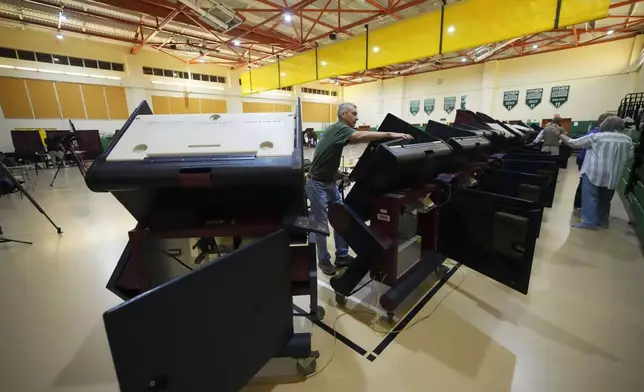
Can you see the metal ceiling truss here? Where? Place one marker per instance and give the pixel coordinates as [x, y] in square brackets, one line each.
[177, 30]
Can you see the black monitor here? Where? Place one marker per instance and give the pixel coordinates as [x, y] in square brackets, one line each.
[212, 329]
[395, 164]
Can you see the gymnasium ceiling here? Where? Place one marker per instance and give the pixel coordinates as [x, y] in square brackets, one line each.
[257, 31]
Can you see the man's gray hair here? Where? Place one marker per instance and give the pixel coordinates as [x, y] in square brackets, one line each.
[343, 107]
[612, 124]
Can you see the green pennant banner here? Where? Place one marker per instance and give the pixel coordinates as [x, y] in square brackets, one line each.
[449, 104]
[559, 95]
[414, 107]
[533, 97]
[510, 99]
[429, 105]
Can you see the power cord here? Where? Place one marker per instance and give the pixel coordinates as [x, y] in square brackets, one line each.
[371, 325]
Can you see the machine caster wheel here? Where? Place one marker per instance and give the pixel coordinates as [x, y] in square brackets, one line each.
[390, 318]
[340, 299]
[308, 366]
[320, 313]
[441, 271]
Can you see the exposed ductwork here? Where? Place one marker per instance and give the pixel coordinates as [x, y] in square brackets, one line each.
[218, 16]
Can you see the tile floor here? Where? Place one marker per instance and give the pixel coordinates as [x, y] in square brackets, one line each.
[581, 328]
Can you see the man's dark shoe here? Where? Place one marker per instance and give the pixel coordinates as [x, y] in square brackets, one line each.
[343, 261]
[327, 268]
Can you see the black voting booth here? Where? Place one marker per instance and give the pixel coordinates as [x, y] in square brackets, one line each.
[215, 327]
[492, 233]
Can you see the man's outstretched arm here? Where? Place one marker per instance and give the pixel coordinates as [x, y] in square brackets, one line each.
[368, 136]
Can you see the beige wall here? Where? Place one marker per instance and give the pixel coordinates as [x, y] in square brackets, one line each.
[599, 76]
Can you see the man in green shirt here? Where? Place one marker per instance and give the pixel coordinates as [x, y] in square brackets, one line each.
[321, 188]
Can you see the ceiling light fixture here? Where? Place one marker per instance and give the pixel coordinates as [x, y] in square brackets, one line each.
[27, 69]
[376, 49]
[463, 60]
[609, 32]
[288, 17]
[324, 63]
[7, 66]
[283, 74]
[59, 35]
[535, 46]
[62, 17]
[236, 42]
[451, 29]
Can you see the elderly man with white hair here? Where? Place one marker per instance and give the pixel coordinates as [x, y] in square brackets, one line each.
[320, 185]
[549, 136]
[607, 152]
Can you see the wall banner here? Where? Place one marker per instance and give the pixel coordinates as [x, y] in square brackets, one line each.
[449, 104]
[414, 107]
[463, 102]
[429, 105]
[559, 95]
[510, 99]
[533, 97]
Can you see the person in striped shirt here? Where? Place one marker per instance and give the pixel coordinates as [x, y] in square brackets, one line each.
[607, 152]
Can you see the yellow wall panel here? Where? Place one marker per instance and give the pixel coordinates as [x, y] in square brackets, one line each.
[579, 11]
[43, 98]
[316, 112]
[221, 106]
[297, 69]
[160, 104]
[193, 105]
[71, 100]
[334, 112]
[407, 40]
[95, 104]
[342, 58]
[207, 106]
[116, 102]
[479, 22]
[14, 99]
[246, 83]
[257, 107]
[177, 105]
[281, 108]
[265, 78]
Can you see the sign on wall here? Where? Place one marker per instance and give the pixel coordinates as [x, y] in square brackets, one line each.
[414, 107]
[463, 102]
[510, 99]
[449, 104]
[559, 95]
[533, 97]
[429, 105]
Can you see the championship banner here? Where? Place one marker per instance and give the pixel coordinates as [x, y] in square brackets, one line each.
[463, 102]
[559, 95]
[414, 107]
[510, 99]
[533, 97]
[428, 105]
[449, 104]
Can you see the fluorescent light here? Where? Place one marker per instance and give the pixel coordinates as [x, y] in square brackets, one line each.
[236, 42]
[59, 36]
[535, 46]
[97, 76]
[451, 29]
[7, 66]
[463, 60]
[283, 74]
[76, 74]
[113, 77]
[27, 69]
[202, 60]
[50, 71]
[323, 63]
[376, 49]
[609, 32]
[287, 17]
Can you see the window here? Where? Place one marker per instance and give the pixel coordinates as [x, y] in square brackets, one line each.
[118, 67]
[44, 58]
[8, 53]
[213, 78]
[157, 72]
[196, 76]
[24, 55]
[105, 65]
[60, 60]
[76, 62]
[221, 79]
[167, 73]
[91, 63]
[147, 71]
